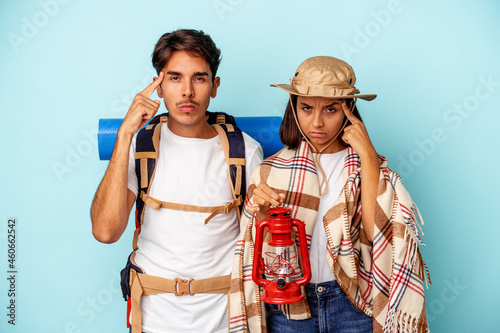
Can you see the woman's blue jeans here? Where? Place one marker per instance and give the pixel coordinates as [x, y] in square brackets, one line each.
[330, 309]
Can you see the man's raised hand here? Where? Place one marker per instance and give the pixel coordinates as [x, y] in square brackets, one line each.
[142, 108]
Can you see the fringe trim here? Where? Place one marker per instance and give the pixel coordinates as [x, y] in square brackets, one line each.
[423, 270]
[419, 222]
[405, 323]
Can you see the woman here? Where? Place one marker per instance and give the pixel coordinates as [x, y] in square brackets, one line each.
[359, 230]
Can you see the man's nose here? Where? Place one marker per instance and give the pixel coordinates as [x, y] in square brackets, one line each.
[187, 89]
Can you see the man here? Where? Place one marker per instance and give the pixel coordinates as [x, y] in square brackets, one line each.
[190, 170]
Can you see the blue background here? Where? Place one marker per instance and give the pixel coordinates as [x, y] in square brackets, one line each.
[65, 64]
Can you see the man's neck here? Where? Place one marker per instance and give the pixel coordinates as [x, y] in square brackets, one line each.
[201, 130]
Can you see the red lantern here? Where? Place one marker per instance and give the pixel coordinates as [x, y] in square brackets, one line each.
[281, 264]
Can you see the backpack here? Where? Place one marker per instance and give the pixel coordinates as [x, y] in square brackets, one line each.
[146, 154]
[147, 144]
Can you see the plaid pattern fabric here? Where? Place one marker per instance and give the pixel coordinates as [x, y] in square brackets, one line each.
[383, 279]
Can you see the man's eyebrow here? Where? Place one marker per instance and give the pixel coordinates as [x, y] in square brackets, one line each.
[180, 74]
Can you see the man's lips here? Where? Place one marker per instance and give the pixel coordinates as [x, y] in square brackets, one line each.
[187, 107]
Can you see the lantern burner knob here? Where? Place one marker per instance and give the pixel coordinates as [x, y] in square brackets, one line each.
[281, 283]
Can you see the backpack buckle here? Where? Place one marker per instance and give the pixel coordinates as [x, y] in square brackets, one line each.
[230, 206]
[183, 287]
[221, 119]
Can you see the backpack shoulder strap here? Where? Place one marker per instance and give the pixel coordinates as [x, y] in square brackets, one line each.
[146, 155]
[234, 151]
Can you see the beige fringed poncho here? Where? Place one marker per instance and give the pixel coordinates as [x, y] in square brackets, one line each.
[383, 279]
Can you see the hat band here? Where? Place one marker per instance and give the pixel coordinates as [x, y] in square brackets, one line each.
[324, 91]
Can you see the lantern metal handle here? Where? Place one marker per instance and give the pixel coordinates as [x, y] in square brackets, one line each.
[257, 256]
[304, 252]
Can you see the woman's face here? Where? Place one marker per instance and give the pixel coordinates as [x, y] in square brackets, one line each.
[320, 120]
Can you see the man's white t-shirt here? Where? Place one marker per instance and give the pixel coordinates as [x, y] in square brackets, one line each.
[178, 244]
[332, 165]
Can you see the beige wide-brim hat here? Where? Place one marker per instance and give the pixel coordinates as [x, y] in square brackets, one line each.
[327, 77]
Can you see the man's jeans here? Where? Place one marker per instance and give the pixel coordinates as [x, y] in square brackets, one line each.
[330, 309]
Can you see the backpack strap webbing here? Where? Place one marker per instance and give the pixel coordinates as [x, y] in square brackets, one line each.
[214, 210]
[146, 155]
[235, 159]
[138, 284]
[143, 284]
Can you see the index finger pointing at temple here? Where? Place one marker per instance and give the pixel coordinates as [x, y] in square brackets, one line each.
[152, 87]
[352, 118]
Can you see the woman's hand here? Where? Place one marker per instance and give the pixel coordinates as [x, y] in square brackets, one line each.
[357, 136]
[264, 198]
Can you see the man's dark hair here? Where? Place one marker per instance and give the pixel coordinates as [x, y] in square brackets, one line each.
[193, 42]
[289, 131]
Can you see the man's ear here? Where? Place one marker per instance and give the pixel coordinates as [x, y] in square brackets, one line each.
[159, 91]
[215, 85]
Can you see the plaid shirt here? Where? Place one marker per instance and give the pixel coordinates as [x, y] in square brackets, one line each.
[384, 279]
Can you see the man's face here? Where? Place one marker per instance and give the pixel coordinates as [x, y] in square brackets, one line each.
[186, 90]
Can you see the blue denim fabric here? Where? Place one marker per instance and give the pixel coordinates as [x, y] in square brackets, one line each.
[330, 309]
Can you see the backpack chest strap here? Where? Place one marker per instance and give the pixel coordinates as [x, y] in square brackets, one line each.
[214, 210]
